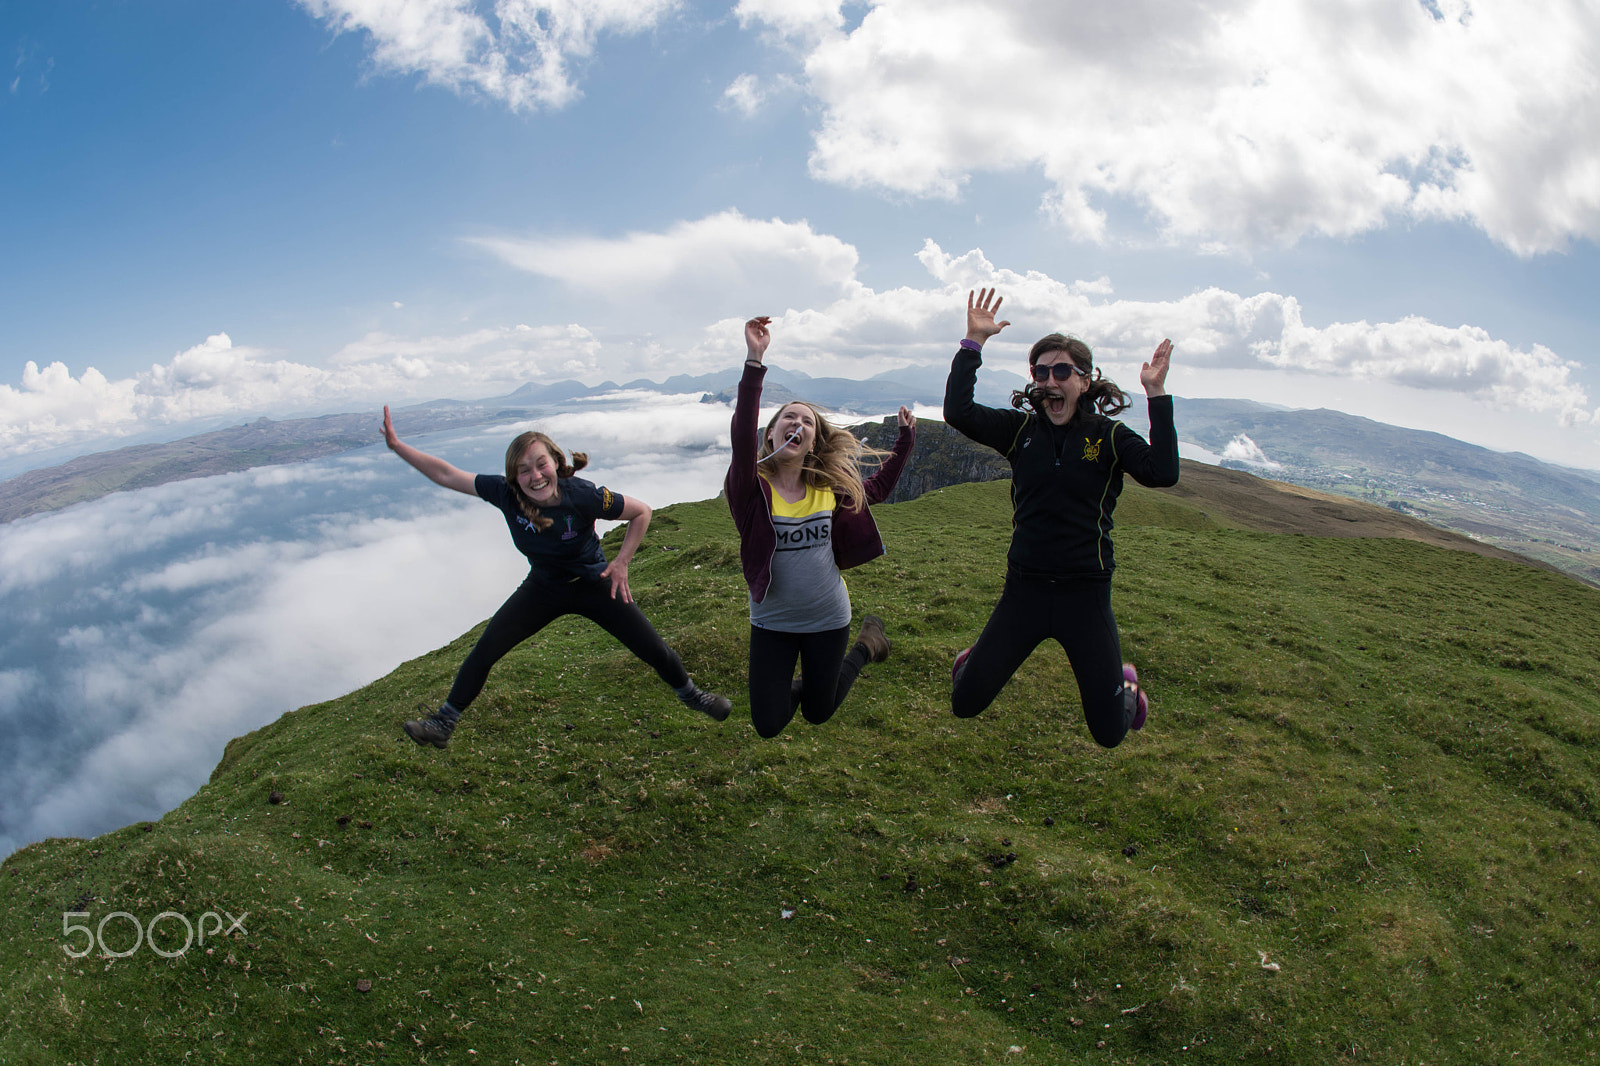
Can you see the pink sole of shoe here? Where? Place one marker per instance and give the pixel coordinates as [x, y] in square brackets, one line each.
[1131, 676]
[961, 660]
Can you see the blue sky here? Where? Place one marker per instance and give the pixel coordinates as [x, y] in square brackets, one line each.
[215, 211]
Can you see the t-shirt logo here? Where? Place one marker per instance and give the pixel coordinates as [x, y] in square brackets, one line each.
[605, 498]
[1091, 450]
[570, 533]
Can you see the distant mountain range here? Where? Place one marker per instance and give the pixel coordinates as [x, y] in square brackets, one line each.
[1505, 499]
[1515, 501]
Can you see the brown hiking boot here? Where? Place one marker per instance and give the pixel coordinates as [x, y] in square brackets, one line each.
[872, 638]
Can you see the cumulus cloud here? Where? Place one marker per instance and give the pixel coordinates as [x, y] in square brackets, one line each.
[1228, 123]
[214, 379]
[519, 52]
[726, 257]
[1213, 329]
[53, 407]
[1242, 449]
[659, 289]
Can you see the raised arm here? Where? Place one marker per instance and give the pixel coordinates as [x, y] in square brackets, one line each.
[431, 467]
[741, 479]
[961, 412]
[1154, 464]
[637, 514]
[881, 484]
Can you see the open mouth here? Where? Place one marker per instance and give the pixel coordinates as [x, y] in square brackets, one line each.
[1055, 403]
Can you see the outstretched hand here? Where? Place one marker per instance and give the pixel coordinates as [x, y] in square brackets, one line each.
[389, 436]
[1153, 375]
[907, 419]
[757, 337]
[616, 572]
[981, 310]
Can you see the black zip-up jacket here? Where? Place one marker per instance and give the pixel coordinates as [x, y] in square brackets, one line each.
[1065, 480]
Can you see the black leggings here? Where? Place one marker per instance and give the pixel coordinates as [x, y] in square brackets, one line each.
[537, 603]
[826, 673]
[1077, 613]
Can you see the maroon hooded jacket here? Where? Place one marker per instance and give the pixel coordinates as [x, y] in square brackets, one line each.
[855, 535]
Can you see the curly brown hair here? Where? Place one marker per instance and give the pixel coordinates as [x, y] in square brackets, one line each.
[563, 469]
[834, 461]
[1101, 394]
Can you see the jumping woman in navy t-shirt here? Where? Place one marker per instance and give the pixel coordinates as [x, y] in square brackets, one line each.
[551, 515]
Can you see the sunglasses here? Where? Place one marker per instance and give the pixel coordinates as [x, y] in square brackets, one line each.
[1060, 371]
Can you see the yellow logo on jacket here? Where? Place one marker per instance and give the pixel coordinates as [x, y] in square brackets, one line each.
[1091, 449]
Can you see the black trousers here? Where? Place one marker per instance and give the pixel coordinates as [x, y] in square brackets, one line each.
[826, 674]
[538, 602]
[1077, 613]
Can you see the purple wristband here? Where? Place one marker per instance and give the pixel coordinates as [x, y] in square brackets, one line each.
[971, 345]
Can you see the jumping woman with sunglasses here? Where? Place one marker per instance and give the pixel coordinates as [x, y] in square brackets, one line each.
[1068, 458]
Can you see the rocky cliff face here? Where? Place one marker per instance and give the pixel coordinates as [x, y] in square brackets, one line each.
[942, 457]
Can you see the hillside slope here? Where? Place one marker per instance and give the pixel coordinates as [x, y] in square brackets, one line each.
[1360, 827]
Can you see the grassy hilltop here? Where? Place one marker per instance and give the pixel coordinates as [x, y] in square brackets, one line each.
[1363, 825]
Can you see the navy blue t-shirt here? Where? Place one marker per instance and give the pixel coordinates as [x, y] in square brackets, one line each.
[568, 548]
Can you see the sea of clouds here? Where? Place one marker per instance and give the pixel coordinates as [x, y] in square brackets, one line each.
[140, 632]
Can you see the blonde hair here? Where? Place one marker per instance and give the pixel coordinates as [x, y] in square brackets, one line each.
[563, 469]
[834, 461]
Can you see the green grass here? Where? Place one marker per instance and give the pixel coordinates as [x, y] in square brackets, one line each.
[1370, 763]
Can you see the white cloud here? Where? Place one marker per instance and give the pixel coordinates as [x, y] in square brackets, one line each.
[518, 52]
[803, 19]
[1212, 330]
[215, 379]
[310, 620]
[232, 599]
[212, 378]
[724, 257]
[748, 94]
[657, 291]
[745, 94]
[1242, 449]
[1237, 123]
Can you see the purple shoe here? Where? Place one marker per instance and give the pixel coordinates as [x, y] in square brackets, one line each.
[961, 660]
[1130, 676]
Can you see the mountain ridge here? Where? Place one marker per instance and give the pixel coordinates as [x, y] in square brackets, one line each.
[1510, 500]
